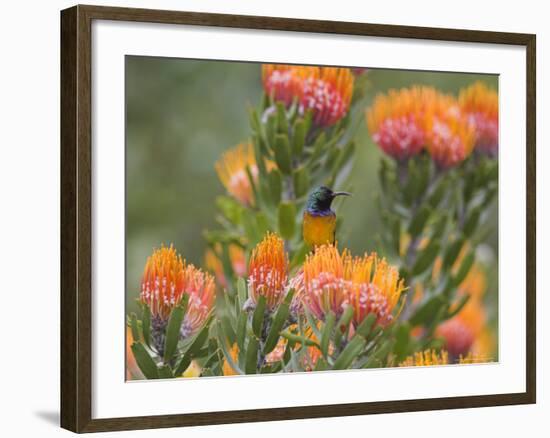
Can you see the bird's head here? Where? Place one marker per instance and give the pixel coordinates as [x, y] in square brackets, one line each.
[321, 198]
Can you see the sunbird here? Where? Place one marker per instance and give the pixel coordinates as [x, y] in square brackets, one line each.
[319, 226]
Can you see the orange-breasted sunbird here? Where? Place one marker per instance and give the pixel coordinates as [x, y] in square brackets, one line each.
[319, 226]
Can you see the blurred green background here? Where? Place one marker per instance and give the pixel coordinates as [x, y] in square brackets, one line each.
[182, 114]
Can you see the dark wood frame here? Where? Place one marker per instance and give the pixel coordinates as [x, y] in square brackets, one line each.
[76, 226]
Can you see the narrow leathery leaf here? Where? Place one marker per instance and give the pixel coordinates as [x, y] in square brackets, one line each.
[326, 332]
[260, 163]
[402, 338]
[426, 258]
[275, 185]
[146, 324]
[282, 153]
[378, 358]
[241, 329]
[165, 372]
[173, 332]
[365, 327]
[134, 327]
[300, 339]
[438, 193]
[472, 221]
[289, 295]
[145, 362]
[301, 181]
[298, 137]
[424, 313]
[463, 301]
[282, 122]
[199, 341]
[321, 365]
[252, 181]
[182, 365]
[312, 323]
[452, 253]
[464, 269]
[287, 219]
[258, 316]
[318, 149]
[439, 227]
[413, 179]
[251, 356]
[308, 118]
[262, 223]
[227, 327]
[343, 325]
[350, 353]
[184, 301]
[279, 320]
[242, 292]
[419, 221]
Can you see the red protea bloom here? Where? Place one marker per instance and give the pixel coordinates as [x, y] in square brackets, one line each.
[396, 121]
[326, 91]
[333, 281]
[166, 278]
[268, 271]
[480, 104]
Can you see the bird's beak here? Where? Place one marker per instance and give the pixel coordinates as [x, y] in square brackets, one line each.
[341, 194]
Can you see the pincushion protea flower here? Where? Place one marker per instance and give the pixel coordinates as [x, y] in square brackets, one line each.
[213, 263]
[395, 121]
[326, 91]
[480, 105]
[166, 278]
[268, 271]
[333, 281]
[231, 169]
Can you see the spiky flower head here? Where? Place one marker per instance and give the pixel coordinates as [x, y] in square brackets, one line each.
[333, 281]
[268, 271]
[166, 278]
[426, 358]
[480, 105]
[395, 121]
[232, 171]
[326, 91]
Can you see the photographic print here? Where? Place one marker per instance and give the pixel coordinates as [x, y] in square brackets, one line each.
[298, 218]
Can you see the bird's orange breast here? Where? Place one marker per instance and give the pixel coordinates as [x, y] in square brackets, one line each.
[319, 230]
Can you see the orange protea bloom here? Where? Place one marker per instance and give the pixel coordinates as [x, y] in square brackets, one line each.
[326, 91]
[166, 278]
[426, 358]
[231, 169]
[268, 271]
[213, 263]
[480, 104]
[333, 282]
[227, 369]
[395, 121]
[450, 136]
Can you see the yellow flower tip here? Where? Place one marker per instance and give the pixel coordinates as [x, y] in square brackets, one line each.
[326, 91]
[426, 358]
[334, 281]
[227, 369]
[480, 104]
[231, 169]
[268, 271]
[166, 278]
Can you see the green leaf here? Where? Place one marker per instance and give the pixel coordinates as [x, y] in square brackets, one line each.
[258, 316]
[350, 353]
[251, 356]
[145, 362]
[426, 258]
[241, 329]
[200, 339]
[275, 185]
[330, 320]
[282, 153]
[301, 181]
[378, 356]
[287, 219]
[402, 338]
[241, 292]
[438, 193]
[452, 253]
[426, 311]
[182, 365]
[419, 221]
[366, 326]
[146, 324]
[465, 267]
[300, 339]
[318, 149]
[282, 122]
[173, 332]
[299, 137]
[343, 325]
[276, 326]
[165, 372]
[472, 221]
[134, 327]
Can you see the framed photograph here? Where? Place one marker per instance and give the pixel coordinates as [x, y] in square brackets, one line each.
[268, 219]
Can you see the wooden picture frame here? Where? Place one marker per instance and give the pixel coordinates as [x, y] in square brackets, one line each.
[76, 217]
